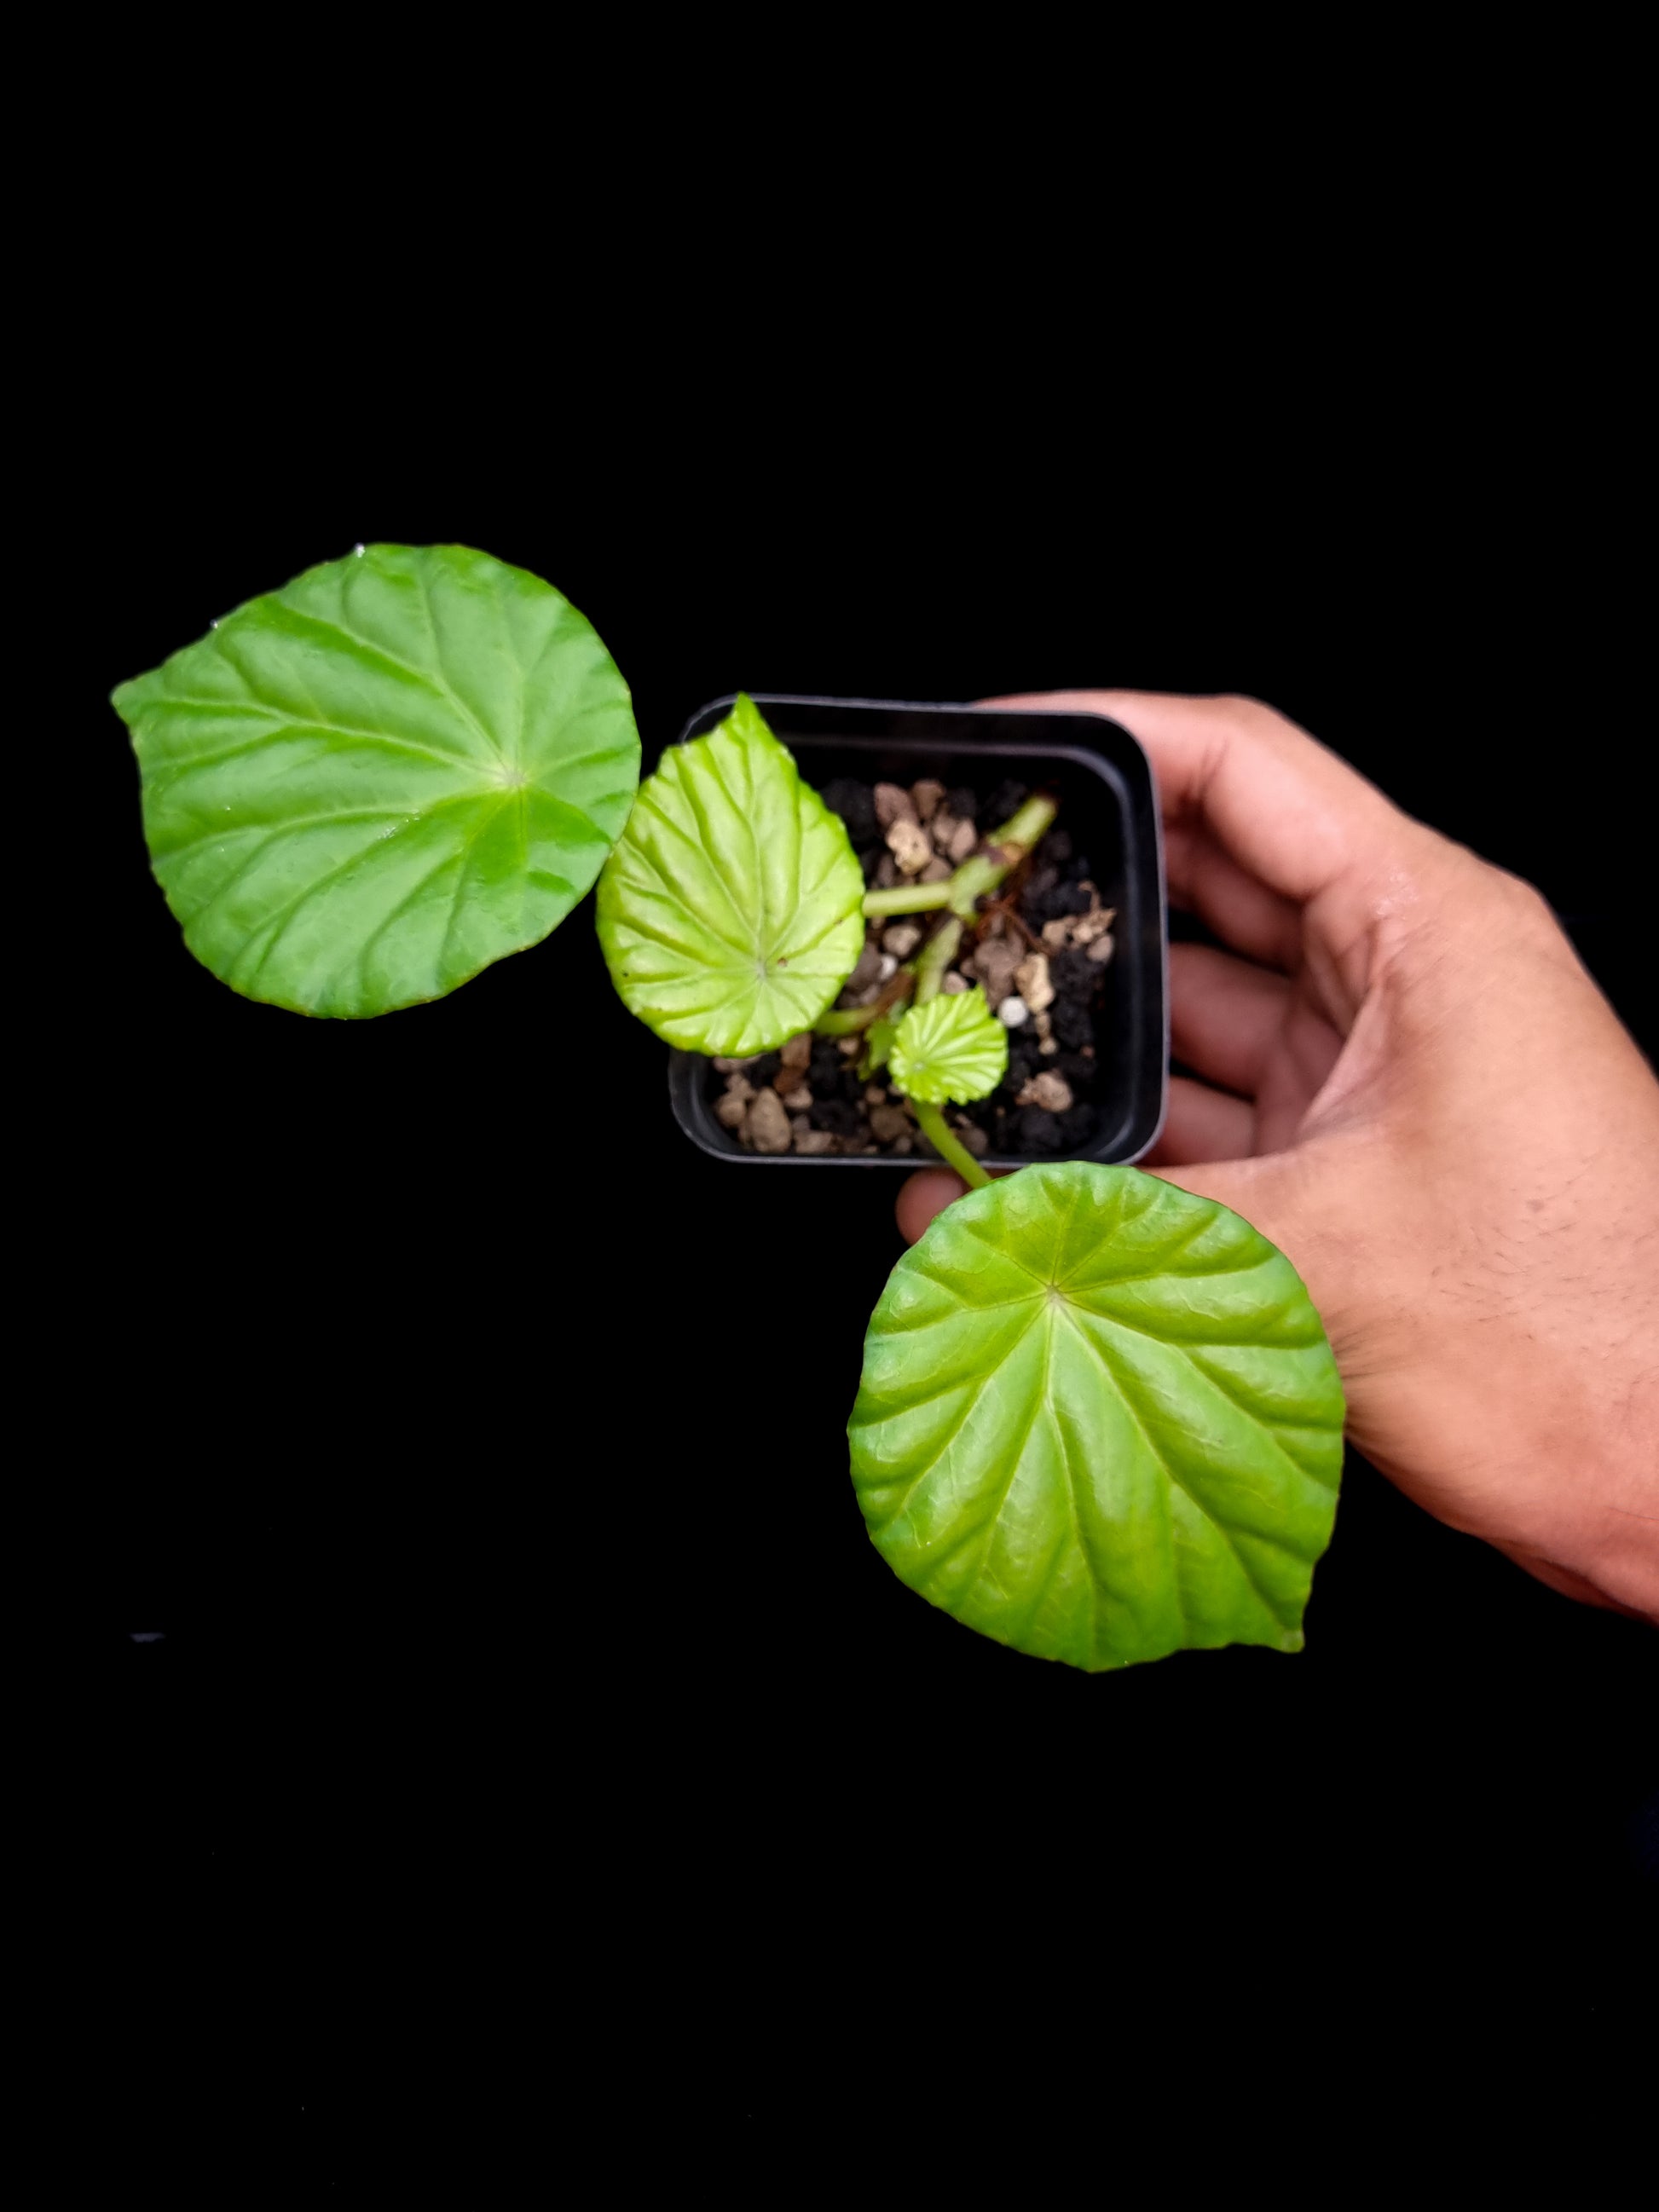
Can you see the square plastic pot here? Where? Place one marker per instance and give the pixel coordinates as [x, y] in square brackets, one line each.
[1108, 802]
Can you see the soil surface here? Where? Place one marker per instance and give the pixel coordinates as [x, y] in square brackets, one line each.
[1040, 950]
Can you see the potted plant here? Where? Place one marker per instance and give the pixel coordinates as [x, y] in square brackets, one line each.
[1073, 934]
[1099, 1419]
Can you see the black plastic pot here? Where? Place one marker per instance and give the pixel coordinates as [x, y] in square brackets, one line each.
[1109, 803]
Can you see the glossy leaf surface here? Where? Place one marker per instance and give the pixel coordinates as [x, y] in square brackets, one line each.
[730, 913]
[1099, 1420]
[951, 1047]
[360, 790]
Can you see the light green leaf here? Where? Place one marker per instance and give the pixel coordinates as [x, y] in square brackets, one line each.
[730, 913]
[361, 789]
[952, 1047]
[1099, 1420]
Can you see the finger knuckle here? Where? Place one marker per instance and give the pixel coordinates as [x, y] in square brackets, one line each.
[1240, 708]
[1524, 900]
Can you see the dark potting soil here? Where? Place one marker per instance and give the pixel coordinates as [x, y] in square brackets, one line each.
[1046, 1103]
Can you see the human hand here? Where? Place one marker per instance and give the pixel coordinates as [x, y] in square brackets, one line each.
[1414, 1090]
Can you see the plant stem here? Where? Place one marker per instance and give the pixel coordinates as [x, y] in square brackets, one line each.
[984, 871]
[849, 1020]
[934, 957]
[1024, 827]
[979, 873]
[908, 899]
[932, 1123]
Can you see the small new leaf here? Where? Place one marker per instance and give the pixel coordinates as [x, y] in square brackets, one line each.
[730, 914]
[951, 1048]
[1099, 1420]
[360, 790]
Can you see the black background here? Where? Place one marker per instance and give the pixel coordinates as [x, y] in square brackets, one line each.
[479, 1444]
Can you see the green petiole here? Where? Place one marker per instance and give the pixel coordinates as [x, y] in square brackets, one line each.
[955, 1154]
[934, 957]
[848, 1021]
[909, 898]
[979, 873]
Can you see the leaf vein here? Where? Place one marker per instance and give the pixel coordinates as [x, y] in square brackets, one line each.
[283, 829]
[429, 679]
[1128, 1392]
[281, 720]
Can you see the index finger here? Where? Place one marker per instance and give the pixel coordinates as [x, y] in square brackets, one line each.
[1292, 814]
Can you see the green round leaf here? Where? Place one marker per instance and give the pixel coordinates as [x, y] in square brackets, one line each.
[953, 1047]
[731, 913]
[1099, 1420]
[361, 789]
